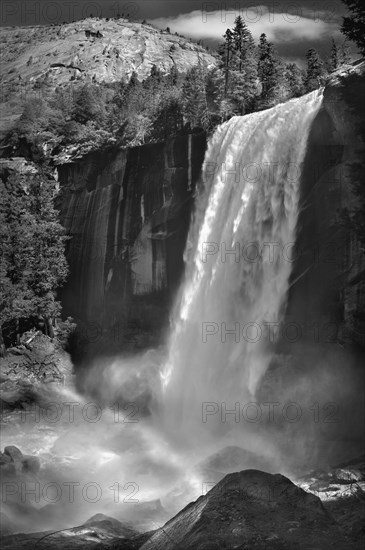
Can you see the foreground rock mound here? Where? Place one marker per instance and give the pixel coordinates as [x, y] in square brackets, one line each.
[98, 532]
[248, 510]
[255, 510]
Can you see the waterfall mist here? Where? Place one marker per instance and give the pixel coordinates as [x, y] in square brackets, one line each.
[182, 416]
[238, 275]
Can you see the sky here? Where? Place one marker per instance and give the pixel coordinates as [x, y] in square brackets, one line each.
[294, 26]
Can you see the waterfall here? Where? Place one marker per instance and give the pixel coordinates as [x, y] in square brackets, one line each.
[239, 258]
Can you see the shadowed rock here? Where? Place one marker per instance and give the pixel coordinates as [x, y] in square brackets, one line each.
[251, 509]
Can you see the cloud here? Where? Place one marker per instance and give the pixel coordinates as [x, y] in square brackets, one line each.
[286, 27]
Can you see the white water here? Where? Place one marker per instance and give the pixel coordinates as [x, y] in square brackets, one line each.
[249, 205]
[158, 454]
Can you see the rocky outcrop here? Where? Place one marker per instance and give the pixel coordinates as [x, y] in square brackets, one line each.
[100, 531]
[92, 50]
[251, 509]
[327, 295]
[247, 509]
[128, 214]
[12, 461]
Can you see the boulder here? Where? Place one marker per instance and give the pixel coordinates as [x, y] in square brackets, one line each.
[16, 457]
[4, 459]
[111, 525]
[348, 475]
[252, 509]
[14, 453]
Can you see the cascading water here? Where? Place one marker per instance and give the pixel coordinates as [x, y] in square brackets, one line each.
[238, 272]
[237, 279]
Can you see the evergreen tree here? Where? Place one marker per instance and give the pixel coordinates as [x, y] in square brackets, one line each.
[133, 81]
[243, 85]
[47, 266]
[173, 76]
[17, 230]
[243, 44]
[345, 55]
[315, 71]
[33, 263]
[270, 72]
[195, 100]
[215, 87]
[169, 120]
[226, 53]
[294, 80]
[156, 75]
[8, 288]
[353, 27]
[334, 60]
[89, 105]
[152, 88]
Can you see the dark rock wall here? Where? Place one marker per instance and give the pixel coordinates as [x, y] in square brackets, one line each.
[327, 296]
[128, 214]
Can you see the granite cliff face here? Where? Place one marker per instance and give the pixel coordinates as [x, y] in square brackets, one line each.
[92, 50]
[327, 296]
[128, 213]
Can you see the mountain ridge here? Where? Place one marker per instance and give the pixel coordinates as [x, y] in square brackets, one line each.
[92, 50]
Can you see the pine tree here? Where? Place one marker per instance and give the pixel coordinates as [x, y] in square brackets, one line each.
[168, 121]
[89, 105]
[243, 86]
[156, 75]
[270, 72]
[294, 80]
[33, 263]
[7, 287]
[345, 54]
[315, 71]
[215, 94]
[18, 227]
[334, 60]
[153, 86]
[173, 76]
[226, 53]
[353, 27]
[48, 266]
[195, 100]
[243, 44]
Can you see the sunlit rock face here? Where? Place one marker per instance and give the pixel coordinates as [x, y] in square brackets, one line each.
[91, 50]
[128, 214]
[327, 296]
[107, 51]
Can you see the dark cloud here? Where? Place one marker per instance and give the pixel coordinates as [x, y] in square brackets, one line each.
[30, 12]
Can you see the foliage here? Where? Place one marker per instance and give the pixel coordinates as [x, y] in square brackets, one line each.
[294, 80]
[239, 66]
[88, 116]
[315, 74]
[353, 27]
[271, 73]
[339, 55]
[33, 263]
